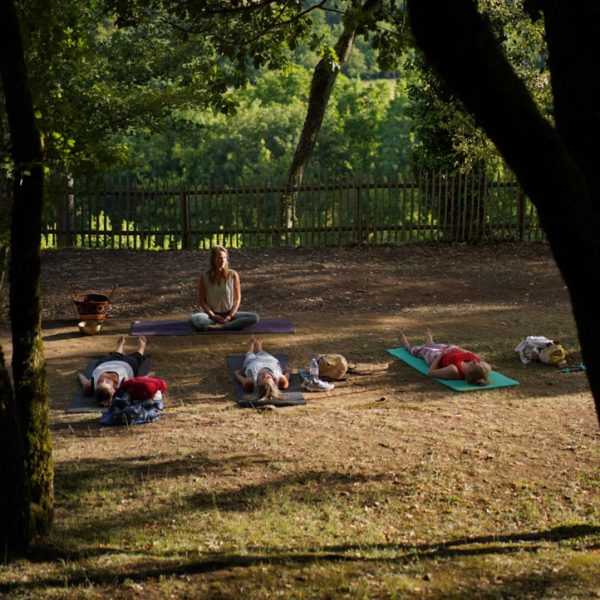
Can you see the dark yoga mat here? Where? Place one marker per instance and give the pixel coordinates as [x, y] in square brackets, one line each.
[82, 403]
[182, 327]
[291, 397]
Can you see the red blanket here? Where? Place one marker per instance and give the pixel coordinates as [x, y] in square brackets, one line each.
[143, 388]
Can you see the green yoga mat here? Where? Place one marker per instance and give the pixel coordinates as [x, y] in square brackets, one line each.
[497, 380]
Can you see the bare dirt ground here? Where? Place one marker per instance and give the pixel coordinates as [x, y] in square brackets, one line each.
[375, 428]
[348, 300]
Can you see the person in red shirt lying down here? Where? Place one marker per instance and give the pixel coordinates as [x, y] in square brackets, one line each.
[447, 361]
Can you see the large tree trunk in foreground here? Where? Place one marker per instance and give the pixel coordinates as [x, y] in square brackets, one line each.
[14, 495]
[29, 376]
[554, 166]
[322, 83]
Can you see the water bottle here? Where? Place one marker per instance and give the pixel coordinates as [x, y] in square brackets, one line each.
[314, 369]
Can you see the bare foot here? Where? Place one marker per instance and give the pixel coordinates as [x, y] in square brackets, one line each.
[428, 337]
[142, 344]
[404, 339]
[120, 344]
[257, 344]
[214, 326]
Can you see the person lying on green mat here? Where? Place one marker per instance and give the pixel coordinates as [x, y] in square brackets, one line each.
[111, 370]
[262, 373]
[447, 361]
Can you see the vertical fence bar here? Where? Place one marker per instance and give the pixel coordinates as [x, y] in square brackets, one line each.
[91, 205]
[411, 209]
[521, 214]
[125, 223]
[185, 218]
[203, 201]
[405, 187]
[462, 204]
[483, 206]
[359, 216]
[422, 204]
[438, 200]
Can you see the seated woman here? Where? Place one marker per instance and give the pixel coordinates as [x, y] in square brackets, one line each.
[219, 294]
[447, 361]
[112, 370]
[262, 373]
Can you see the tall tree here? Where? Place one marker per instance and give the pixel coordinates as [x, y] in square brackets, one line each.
[322, 83]
[29, 400]
[556, 165]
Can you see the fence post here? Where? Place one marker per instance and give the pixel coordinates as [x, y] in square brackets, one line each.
[185, 219]
[66, 208]
[521, 213]
[359, 213]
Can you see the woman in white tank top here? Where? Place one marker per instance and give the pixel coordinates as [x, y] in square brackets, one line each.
[219, 295]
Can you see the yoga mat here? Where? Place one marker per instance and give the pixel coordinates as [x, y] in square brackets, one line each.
[182, 327]
[82, 403]
[291, 397]
[497, 380]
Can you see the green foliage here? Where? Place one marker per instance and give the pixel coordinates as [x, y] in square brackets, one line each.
[161, 88]
[365, 130]
[107, 72]
[104, 68]
[446, 136]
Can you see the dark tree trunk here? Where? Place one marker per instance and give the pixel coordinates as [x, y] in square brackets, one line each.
[29, 376]
[14, 497]
[321, 86]
[554, 166]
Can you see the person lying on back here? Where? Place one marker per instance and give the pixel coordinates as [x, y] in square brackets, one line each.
[262, 373]
[112, 370]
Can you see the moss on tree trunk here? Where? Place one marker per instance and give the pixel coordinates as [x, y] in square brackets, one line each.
[14, 498]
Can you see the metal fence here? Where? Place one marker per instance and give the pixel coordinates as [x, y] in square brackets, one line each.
[426, 207]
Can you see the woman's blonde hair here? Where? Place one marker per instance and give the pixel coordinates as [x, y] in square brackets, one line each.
[268, 390]
[212, 269]
[477, 375]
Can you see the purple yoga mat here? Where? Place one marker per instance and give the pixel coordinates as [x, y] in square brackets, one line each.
[182, 327]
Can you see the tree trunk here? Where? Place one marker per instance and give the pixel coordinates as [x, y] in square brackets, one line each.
[29, 376]
[552, 165]
[14, 498]
[320, 91]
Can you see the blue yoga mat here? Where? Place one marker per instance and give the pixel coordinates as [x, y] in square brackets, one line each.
[497, 380]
